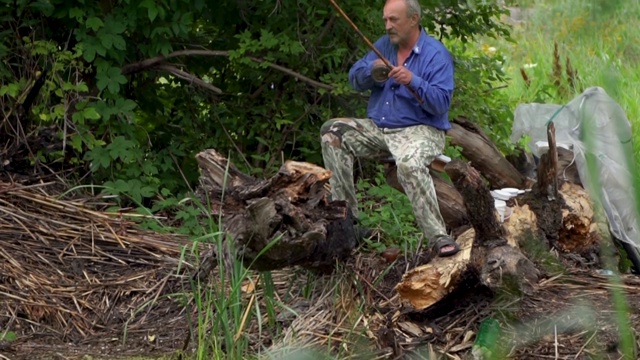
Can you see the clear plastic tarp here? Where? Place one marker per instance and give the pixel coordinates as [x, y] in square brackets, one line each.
[594, 126]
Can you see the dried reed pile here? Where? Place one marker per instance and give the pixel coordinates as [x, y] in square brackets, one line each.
[69, 270]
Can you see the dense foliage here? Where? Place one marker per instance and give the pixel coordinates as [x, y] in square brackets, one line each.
[123, 93]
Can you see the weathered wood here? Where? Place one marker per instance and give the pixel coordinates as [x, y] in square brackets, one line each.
[548, 169]
[281, 221]
[580, 231]
[485, 250]
[484, 155]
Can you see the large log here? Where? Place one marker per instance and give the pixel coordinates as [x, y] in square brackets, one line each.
[484, 155]
[555, 211]
[282, 221]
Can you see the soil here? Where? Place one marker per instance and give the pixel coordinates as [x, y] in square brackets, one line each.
[355, 310]
[570, 316]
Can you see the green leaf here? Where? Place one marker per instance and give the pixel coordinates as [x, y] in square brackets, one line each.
[12, 90]
[119, 148]
[90, 113]
[149, 168]
[76, 142]
[152, 12]
[114, 26]
[76, 13]
[44, 6]
[94, 23]
[106, 40]
[119, 43]
[111, 80]
[89, 54]
[99, 158]
[123, 106]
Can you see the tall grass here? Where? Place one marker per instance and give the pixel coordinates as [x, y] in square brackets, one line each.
[597, 37]
[554, 41]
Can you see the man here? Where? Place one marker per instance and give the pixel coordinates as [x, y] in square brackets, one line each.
[399, 125]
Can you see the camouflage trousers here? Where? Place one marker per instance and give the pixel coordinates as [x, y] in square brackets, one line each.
[413, 148]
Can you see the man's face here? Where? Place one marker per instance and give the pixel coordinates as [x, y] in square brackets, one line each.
[396, 22]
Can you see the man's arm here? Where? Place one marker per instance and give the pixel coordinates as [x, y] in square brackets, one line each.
[360, 73]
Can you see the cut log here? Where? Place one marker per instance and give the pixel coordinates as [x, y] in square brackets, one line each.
[282, 221]
[485, 250]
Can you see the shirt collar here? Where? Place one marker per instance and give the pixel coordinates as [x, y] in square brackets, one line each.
[421, 42]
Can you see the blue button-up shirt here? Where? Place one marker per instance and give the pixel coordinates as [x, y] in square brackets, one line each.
[391, 104]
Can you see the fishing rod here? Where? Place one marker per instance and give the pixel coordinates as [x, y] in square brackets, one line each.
[371, 46]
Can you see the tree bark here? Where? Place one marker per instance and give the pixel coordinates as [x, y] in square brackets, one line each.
[282, 221]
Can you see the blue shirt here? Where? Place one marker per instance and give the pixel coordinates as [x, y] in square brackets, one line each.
[391, 104]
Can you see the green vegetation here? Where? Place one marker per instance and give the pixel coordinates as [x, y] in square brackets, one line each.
[123, 94]
[256, 80]
[565, 46]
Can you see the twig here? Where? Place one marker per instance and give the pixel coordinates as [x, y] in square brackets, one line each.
[585, 345]
[555, 344]
[189, 77]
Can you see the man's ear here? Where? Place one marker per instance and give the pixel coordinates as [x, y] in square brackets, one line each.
[414, 19]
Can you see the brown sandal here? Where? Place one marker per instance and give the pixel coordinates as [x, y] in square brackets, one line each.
[442, 242]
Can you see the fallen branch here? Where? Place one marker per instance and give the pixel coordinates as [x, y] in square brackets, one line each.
[155, 61]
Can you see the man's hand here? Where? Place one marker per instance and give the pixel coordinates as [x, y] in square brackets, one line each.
[401, 75]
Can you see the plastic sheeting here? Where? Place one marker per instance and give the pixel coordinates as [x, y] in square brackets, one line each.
[594, 126]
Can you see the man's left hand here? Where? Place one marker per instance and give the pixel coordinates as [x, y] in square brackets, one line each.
[401, 75]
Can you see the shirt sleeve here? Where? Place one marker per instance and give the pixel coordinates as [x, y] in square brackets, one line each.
[435, 86]
[360, 73]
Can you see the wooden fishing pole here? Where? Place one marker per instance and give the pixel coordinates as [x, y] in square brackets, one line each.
[370, 45]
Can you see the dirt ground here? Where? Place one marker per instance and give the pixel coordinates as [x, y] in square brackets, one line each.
[63, 308]
[570, 316]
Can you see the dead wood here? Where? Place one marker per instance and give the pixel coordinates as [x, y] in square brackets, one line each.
[485, 250]
[281, 221]
[548, 169]
[484, 155]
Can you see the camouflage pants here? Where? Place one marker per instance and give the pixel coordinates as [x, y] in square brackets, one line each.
[413, 148]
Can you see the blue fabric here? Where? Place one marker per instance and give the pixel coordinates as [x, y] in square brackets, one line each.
[391, 104]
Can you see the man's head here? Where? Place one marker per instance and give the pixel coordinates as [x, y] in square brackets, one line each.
[401, 20]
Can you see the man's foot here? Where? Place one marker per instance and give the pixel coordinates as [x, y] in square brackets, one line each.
[445, 246]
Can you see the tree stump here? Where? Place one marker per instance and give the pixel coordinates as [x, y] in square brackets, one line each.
[282, 221]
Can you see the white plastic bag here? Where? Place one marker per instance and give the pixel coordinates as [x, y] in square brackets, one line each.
[592, 125]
